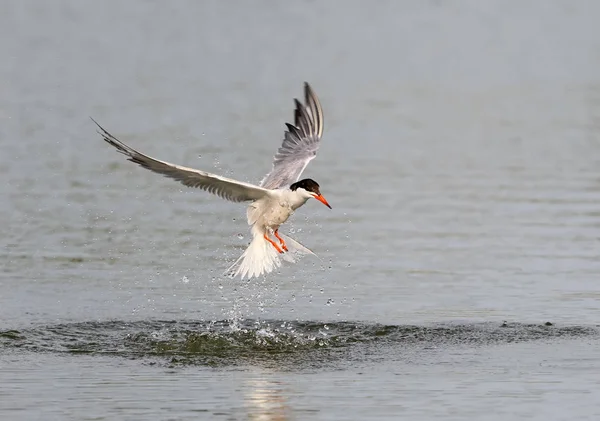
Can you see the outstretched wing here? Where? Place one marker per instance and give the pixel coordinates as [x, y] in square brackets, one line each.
[229, 189]
[300, 143]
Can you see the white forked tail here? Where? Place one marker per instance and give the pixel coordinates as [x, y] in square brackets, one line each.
[261, 257]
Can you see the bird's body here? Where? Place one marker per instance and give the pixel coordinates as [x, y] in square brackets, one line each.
[273, 202]
[274, 209]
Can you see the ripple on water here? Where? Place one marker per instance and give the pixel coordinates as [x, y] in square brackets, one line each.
[296, 344]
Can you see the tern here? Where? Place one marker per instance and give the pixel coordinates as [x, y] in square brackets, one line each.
[273, 201]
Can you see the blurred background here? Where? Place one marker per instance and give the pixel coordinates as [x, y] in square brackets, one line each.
[460, 156]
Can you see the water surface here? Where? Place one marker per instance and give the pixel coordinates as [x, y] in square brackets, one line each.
[458, 268]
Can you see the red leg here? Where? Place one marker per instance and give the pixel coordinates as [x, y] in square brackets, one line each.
[283, 246]
[273, 242]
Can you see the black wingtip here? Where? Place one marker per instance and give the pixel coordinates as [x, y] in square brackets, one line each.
[102, 131]
[113, 141]
[95, 122]
[308, 90]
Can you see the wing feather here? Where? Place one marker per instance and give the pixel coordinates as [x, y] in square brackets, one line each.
[300, 142]
[226, 188]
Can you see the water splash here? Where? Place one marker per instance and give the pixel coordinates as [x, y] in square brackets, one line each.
[280, 343]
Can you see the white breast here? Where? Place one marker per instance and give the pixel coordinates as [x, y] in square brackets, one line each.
[272, 211]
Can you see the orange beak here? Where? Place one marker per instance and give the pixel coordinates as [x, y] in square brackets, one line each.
[321, 199]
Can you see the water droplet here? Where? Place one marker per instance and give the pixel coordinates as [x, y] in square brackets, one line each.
[321, 290]
[292, 230]
[185, 280]
[220, 286]
[240, 236]
[330, 302]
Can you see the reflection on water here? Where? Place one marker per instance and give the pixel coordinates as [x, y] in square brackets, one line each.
[265, 399]
[269, 372]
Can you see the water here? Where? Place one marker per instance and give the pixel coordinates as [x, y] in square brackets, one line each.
[457, 272]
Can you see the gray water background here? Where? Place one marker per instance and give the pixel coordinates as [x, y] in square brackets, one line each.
[460, 155]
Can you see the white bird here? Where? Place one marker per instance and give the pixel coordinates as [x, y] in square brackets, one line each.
[273, 201]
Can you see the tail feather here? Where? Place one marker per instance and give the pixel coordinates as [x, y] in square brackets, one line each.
[261, 257]
[295, 249]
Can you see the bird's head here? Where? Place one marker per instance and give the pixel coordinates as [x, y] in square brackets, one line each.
[309, 188]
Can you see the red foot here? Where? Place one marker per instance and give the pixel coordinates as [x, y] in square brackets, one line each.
[283, 246]
[274, 243]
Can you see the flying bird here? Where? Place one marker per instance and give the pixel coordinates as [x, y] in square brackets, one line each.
[277, 196]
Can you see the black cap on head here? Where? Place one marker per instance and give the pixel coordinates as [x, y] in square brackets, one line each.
[307, 184]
